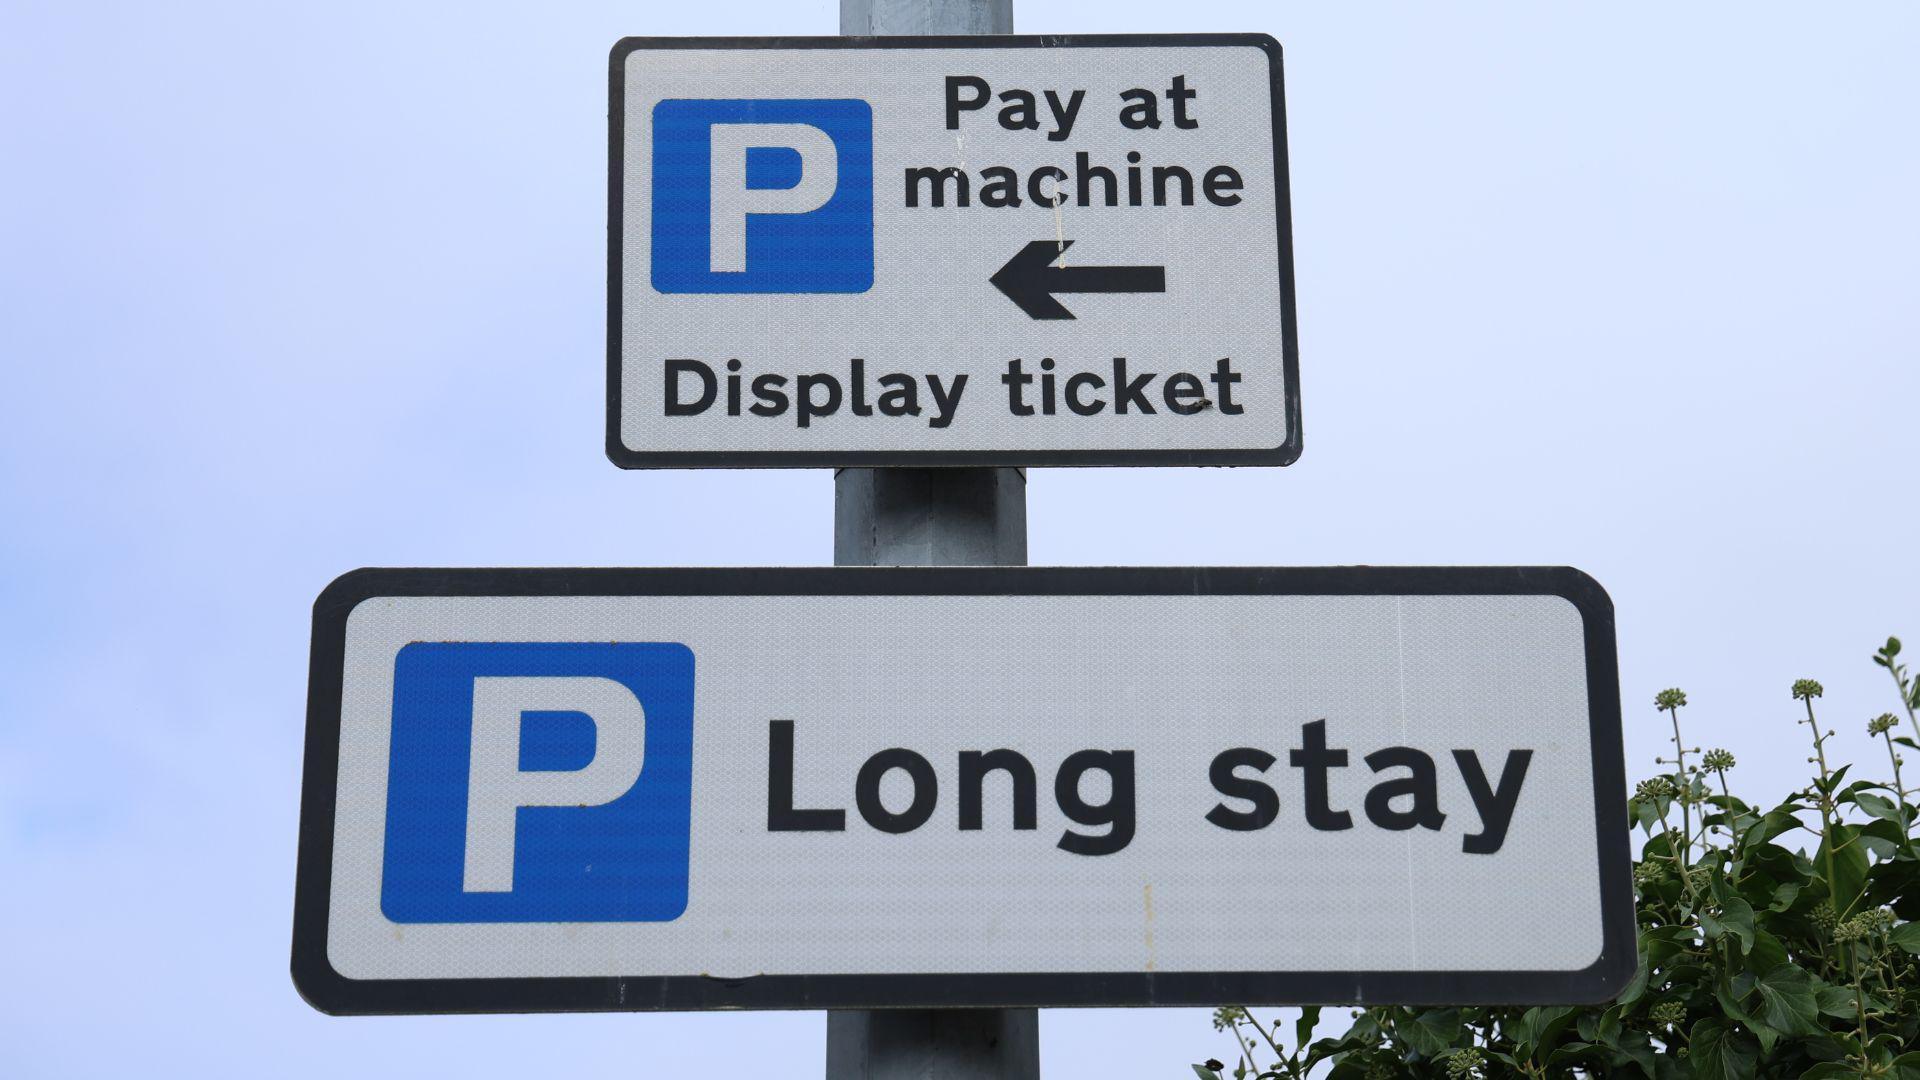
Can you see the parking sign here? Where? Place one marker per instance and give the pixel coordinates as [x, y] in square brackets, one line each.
[1005, 786]
[949, 251]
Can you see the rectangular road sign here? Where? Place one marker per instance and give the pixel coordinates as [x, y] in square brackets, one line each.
[850, 788]
[949, 251]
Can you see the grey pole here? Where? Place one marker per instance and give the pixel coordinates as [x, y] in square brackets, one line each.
[861, 18]
[930, 517]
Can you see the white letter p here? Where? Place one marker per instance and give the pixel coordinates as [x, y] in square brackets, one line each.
[497, 789]
[731, 200]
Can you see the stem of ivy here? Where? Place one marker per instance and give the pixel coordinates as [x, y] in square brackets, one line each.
[1826, 808]
[1246, 1046]
[1901, 681]
[1682, 781]
[1859, 999]
[1686, 879]
[1900, 791]
[1726, 798]
[1277, 1052]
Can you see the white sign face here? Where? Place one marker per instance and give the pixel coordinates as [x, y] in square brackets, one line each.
[953, 251]
[992, 786]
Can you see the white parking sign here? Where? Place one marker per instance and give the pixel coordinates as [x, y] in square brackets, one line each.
[955, 251]
[856, 788]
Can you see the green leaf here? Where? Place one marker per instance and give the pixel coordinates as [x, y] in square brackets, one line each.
[1303, 1027]
[1849, 862]
[1431, 1033]
[1720, 1052]
[1205, 1073]
[1675, 936]
[1726, 996]
[1718, 886]
[1829, 1069]
[1789, 1001]
[1907, 1066]
[1771, 824]
[1775, 864]
[1767, 953]
[1538, 1028]
[1832, 783]
[1896, 884]
[1567, 1052]
[1366, 1031]
[1635, 1046]
[1879, 847]
[1657, 945]
[1638, 984]
[1607, 1031]
[1736, 917]
[1906, 936]
[1885, 809]
[1837, 1002]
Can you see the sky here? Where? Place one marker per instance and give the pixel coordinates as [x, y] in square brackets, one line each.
[290, 289]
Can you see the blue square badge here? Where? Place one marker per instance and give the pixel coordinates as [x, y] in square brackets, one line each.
[763, 196]
[539, 782]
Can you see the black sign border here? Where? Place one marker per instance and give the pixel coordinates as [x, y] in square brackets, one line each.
[618, 453]
[329, 991]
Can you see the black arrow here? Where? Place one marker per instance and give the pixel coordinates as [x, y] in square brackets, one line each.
[1030, 279]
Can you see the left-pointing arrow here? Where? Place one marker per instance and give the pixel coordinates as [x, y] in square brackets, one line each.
[1030, 279]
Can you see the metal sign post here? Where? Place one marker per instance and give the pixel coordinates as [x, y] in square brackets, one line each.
[930, 517]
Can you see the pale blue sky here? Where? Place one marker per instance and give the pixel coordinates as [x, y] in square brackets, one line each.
[289, 289]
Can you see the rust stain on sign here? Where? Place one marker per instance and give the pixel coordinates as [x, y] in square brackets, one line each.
[1148, 898]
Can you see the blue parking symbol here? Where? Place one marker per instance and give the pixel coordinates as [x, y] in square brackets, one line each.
[539, 782]
[763, 196]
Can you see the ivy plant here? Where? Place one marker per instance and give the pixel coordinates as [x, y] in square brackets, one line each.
[1774, 941]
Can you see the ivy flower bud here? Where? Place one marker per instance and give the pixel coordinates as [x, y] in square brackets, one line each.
[1880, 724]
[1465, 1064]
[1807, 689]
[1668, 1013]
[1718, 760]
[1659, 787]
[1669, 699]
